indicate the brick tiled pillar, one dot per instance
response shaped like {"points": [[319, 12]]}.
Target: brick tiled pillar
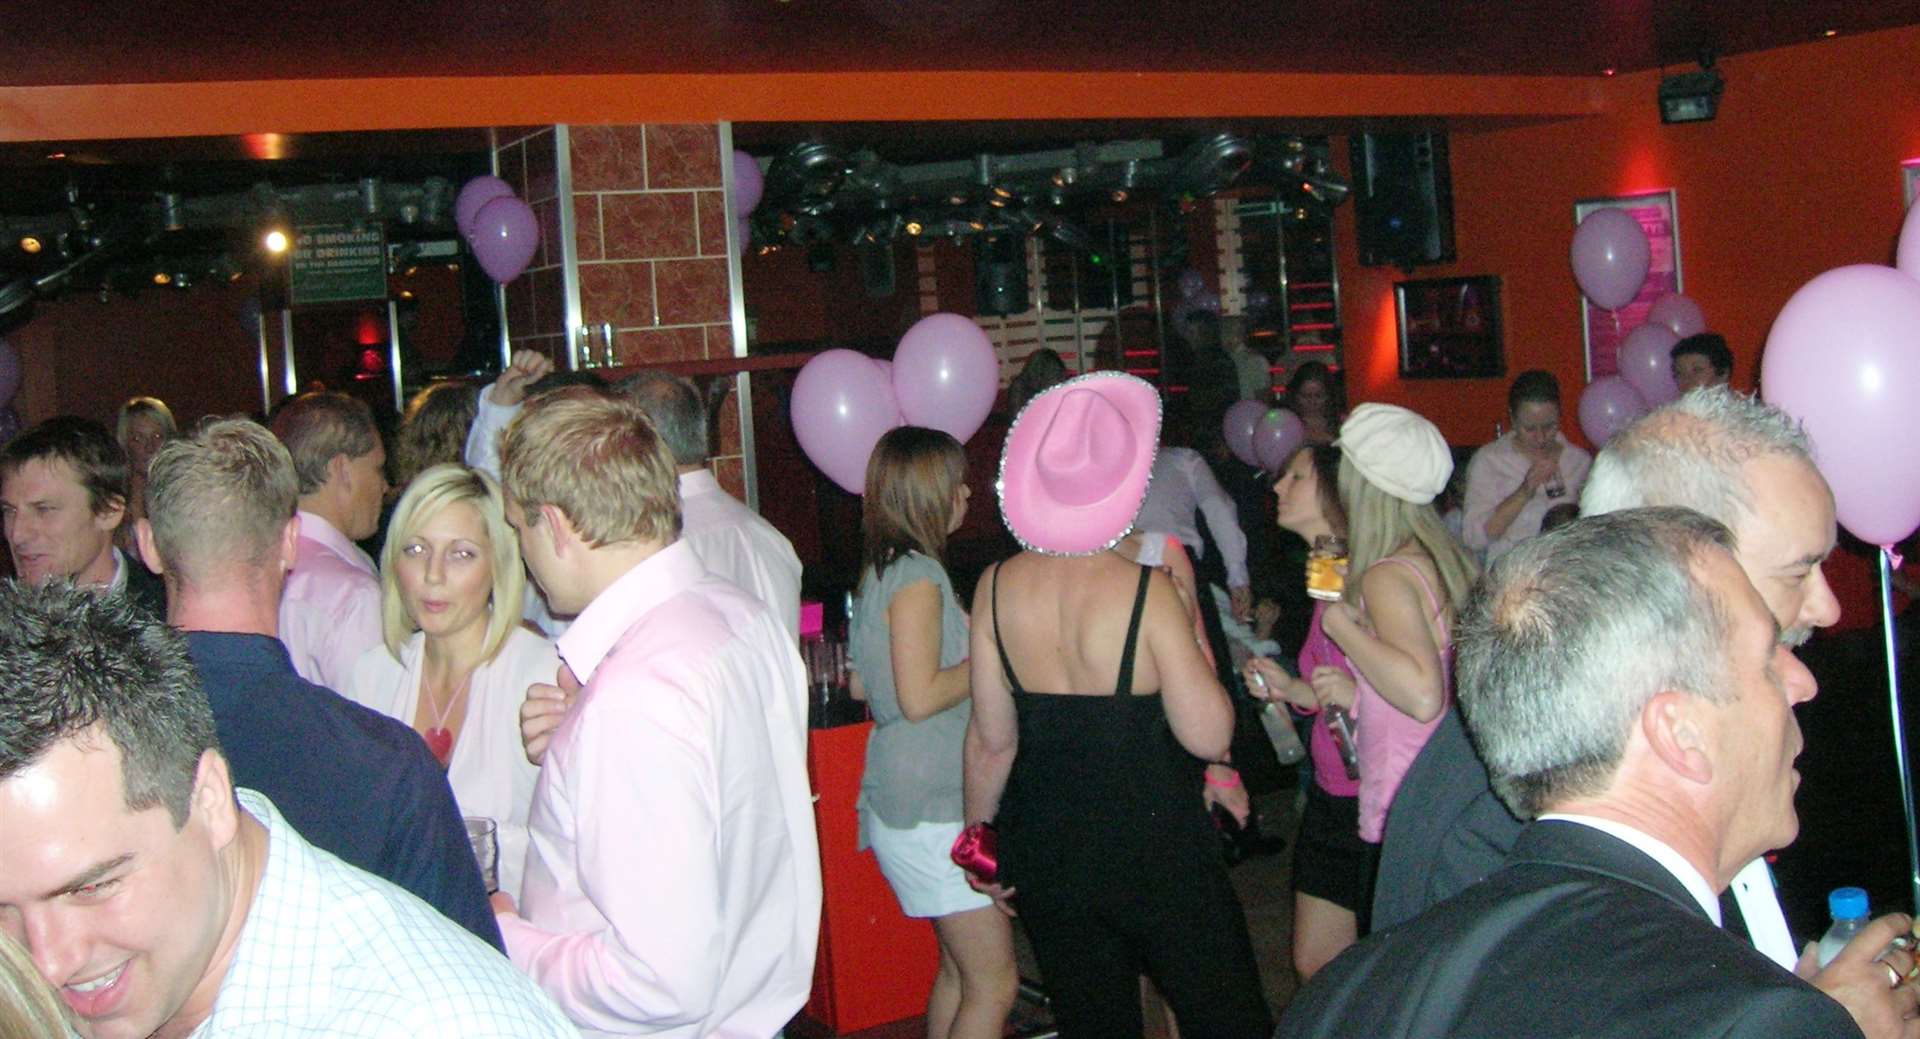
{"points": [[649, 246]]}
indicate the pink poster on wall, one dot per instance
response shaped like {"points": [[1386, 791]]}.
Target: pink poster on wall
{"points": [[1659, 216]]}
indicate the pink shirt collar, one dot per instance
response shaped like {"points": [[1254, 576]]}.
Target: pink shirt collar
{"points": [[314, 527], [607, 619]]}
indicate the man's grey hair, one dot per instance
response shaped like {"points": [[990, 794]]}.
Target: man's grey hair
{"points": [[318, 425], [220, 497], [1571, 634], [675, 407], [84, 666], [1692, 453]]}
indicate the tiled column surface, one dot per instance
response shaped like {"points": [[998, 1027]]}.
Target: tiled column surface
{"points": [[536, 300]]}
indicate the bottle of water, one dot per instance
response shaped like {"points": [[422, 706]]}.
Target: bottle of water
{"points": [[1849, 908]]}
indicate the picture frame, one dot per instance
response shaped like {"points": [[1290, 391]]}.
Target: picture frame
{"points": [[1451, 328], [1602, 330]]}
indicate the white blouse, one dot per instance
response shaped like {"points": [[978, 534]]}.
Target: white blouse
{"points": [[489, 771]]}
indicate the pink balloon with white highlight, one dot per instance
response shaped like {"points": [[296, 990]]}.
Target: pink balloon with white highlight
{"points": [[1646, 362], [842, 405], [946, 375], [1679, 313]]}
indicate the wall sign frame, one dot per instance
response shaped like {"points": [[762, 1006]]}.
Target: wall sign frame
{"points": [[1450, 328], [1602, 330]]}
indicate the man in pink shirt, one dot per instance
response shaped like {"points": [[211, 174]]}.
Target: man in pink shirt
{"points": [[672, 885], [330, 612]]}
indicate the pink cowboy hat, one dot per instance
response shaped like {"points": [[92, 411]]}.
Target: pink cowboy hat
{"points": [[1075, 468]]}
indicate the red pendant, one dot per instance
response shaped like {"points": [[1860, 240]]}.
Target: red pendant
{"points": [[440, 741]]}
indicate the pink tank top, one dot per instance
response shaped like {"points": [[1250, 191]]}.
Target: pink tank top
{"points": [[1388, 739]]}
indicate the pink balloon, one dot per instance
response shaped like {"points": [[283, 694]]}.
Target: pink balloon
{"points": [[946, 375], [1279, 432], [505, 236], [473, 195], [842, 405], [1610, 257], [886, 368], [1241, 421], [1908, 256], [743, 235], [1607, 406], [1646, 362], [1844, 358], [9, 372], [1679, 313], [747, 183]]}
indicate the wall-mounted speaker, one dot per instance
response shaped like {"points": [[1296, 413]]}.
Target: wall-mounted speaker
{"points": [[1000, 275], [1402, 199]]}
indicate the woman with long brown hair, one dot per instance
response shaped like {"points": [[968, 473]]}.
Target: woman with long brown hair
{"points": [[908, 647]]}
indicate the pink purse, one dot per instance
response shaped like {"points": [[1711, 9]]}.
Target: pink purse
{"points": [[977, 850]]}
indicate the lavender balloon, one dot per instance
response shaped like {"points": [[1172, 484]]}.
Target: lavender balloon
{"points": [[505, 236], [1844, 358], [946, 375], [1280, 431], [748, 184], [1610, 257], [1607, 406], [475, 194], [842, 406], [1241, 421], [1646, 362], [1678, 313]]}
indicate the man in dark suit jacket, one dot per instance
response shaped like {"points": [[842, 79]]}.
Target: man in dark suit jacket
{"points": [[1730, 457], [63, 494], [1633, 698]]}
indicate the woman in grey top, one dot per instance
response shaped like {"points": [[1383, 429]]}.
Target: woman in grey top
{"points": [[908, 642]]}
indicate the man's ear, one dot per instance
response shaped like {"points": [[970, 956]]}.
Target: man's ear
{"points": [[559, 529], [212, 799], [289, 543], [339, 471], [110, 515], [149, 552], [1676, 731]]}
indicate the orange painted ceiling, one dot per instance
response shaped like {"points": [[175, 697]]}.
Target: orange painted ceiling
{"points": [[113, 41]]}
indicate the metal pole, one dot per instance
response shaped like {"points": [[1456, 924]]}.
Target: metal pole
{"points": [[393, 358], [266, 373], [291, 376], [1899, 730]]}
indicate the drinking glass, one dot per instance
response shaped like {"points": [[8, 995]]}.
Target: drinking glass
{"points": [[484, 835]]}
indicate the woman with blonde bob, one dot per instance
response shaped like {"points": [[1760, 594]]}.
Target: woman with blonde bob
{"points": [[454, 666], [908, 645], [29, 1008], [1406, 577]]}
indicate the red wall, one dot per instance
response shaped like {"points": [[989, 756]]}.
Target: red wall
{"points": [[1799, 173]]}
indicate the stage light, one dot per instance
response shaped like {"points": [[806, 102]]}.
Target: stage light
{"points": [[275, 241], [29, 245]]}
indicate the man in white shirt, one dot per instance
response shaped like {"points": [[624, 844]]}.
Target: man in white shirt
{"points": [[330, 611], [673, 877], [731, 539], [160, 901], [1632, 695]]}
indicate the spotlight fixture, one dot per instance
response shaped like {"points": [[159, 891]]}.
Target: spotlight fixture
{"points": [[1691, 97], [162, 278], [29, 245], [275, 241]]}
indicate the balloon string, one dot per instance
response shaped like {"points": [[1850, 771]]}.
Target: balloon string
{"points": [[1899, 728]]}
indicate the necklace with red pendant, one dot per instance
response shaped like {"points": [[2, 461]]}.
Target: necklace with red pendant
{"points": [[440, 738]]}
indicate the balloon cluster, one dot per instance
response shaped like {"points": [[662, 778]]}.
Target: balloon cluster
{"points": [[1611, 256], [1261, 435], [499, 226], [1195, 298], [944, 375], [1844, 358]]}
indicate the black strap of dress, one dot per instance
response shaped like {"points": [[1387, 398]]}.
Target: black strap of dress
{"points": [[1125, 684]]}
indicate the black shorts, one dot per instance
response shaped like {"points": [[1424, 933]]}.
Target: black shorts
{"points": [[1330, 861]]}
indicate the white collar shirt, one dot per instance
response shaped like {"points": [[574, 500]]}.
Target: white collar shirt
{"points": [[734, 542], [673, 874], [1181, 485], [330, 950]]}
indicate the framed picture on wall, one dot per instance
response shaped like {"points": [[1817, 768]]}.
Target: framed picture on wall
{"points": [[1450, 328], [1602, 330]]}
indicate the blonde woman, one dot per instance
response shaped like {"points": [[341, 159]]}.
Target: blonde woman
{"points": [[454, 667], [909, 641], [145, 423], [1407, 575], [29, 1008]]}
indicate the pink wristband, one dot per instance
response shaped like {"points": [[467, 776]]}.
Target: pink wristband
{"points": [[1225, 786]]}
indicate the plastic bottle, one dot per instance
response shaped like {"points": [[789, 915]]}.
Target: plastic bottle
{"points": [[1849, 908]]}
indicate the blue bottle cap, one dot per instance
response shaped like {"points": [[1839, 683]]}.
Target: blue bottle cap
{"points": [[1847, 903]]}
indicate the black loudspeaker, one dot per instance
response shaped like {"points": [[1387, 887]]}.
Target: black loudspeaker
{"points": [[1000, 275], [1403, 199]]}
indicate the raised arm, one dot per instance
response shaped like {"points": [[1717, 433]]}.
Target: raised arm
{"points": [[923, 687], [1197, 708], [1402, 660]]}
